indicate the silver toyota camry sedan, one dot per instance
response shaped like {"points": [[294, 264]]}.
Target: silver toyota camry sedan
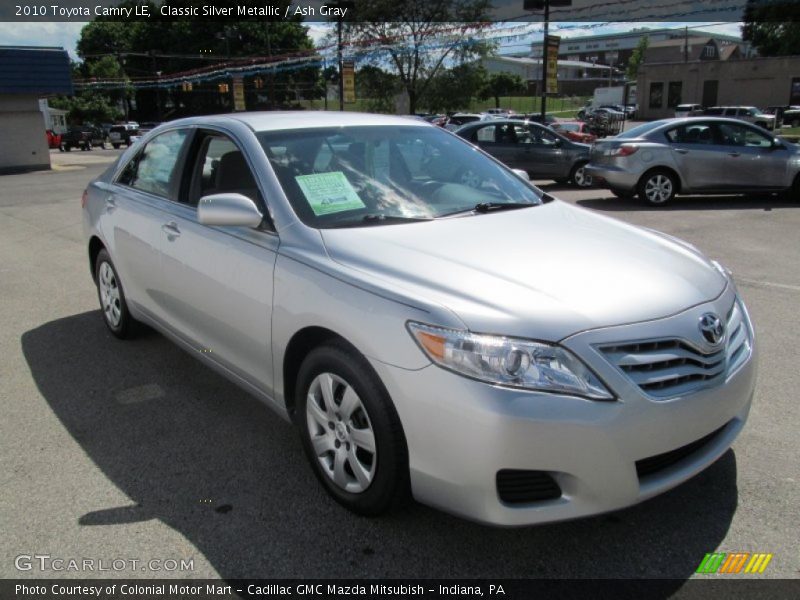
{"points": [[468, 341]]}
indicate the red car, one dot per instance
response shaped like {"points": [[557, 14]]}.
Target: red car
{"points": [[577, 131], [53, 139]]}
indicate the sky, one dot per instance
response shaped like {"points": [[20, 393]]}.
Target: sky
{"points": [[66, 35]]}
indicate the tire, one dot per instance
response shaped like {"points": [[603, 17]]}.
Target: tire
{"points": [[579, 177], [657, 187], [367, 475], [116, 146], [111, 295]]}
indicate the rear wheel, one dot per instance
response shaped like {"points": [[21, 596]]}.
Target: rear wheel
{"points": [[350, 431], [580, 177], [657, 188], [112, 297], [116, 146]]}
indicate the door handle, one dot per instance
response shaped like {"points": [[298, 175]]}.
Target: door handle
{"points": [[681, 150], [171, 229], [734, 154], [111, 204]]}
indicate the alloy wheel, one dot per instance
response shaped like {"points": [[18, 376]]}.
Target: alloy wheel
{"points": [[658, 189], [581, 177]]}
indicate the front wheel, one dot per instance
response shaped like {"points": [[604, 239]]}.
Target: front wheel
{"points": [[112, 297], [350, 430], [580, 177], [658, 188]]}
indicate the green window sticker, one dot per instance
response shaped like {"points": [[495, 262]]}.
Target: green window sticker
{"points": [[329, 193]]}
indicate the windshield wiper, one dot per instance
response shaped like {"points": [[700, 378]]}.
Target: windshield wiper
{"points": [[378, 219], [485, 207]]}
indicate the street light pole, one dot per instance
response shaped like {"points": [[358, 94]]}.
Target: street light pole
{"points": [[341, 65]]}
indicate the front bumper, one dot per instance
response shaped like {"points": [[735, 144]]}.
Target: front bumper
{"points": [[461, 432]]}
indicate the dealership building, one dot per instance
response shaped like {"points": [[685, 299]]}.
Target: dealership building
{"points": [[26, 75]]}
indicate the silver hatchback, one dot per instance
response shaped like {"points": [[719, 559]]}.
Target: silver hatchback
{"points": [[472, 342], [694, 156]]}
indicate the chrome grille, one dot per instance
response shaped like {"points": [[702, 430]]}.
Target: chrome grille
{"points": [[672, 367]]}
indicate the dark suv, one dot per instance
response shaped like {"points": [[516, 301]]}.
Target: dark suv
{"points": [[121, 134], [84, 137]]}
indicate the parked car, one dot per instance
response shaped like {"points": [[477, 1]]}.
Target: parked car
{"points": [[548, 120], [790, 116], [121, 134], [495, 352], [631, 110], [577, 131], [750, 114], [538, 150], [84, 137], [779, 111], [53, 139], [688, 110], [697, 155], [458, 119]]}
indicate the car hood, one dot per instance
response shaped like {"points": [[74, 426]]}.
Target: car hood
{"points": [[544, 272]]}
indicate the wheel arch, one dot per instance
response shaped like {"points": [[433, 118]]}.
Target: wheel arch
{"points": [[95, 246], [301, 343]]}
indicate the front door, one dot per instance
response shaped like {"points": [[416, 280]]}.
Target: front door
{"points": [[218, 280]]}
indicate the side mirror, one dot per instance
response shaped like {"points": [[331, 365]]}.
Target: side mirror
{"points": [[522, 174], [778, 144], [228, 209]]}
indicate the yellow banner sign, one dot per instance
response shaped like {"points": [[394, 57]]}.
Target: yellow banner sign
{"points": [[349, 79], [551, 56], [238, 94]]}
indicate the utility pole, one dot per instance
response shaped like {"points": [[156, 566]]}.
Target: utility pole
{"points": [[341, 64], [545, 56], [686, 44]]}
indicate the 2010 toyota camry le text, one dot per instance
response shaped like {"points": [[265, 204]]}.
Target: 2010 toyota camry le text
{"points": [[434, 325]]}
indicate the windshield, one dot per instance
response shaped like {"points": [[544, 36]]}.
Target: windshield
{"points": [[361, 176]]}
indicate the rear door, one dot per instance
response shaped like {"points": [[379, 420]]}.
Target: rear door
{"points": [[701, 160], [137, 204], [499, 140]]}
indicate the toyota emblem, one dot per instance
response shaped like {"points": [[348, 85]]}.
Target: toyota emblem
{"points": [[712, 328]]}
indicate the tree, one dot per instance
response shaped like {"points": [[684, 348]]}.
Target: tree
{"points": [[501, 84], [377, 88], [419, 37], [453, 89], [637, 58], [772, 28], [153, 49]]}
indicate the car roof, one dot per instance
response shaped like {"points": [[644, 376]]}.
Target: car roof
{"points": [[301, 119]]}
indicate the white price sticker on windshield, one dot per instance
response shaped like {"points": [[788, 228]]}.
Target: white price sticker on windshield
{"points": [[329, 193]]}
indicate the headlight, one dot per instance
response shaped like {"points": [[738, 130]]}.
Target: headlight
{"points": [[509, 362]]}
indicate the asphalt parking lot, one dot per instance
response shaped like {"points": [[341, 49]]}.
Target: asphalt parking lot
{"points": [[133, 450]]}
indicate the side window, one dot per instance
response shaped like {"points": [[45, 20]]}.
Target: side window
{"points": [[221, 167], [153, 169], [694, 133], [486, 134], [756, 139], [732, 135]]}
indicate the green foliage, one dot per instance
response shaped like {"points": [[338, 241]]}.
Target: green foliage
{"points": [[637, 58], [377, 87], [453, 89], [142, 49], [773, 28], [420, 37], [501, 84], [87, 107]]}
